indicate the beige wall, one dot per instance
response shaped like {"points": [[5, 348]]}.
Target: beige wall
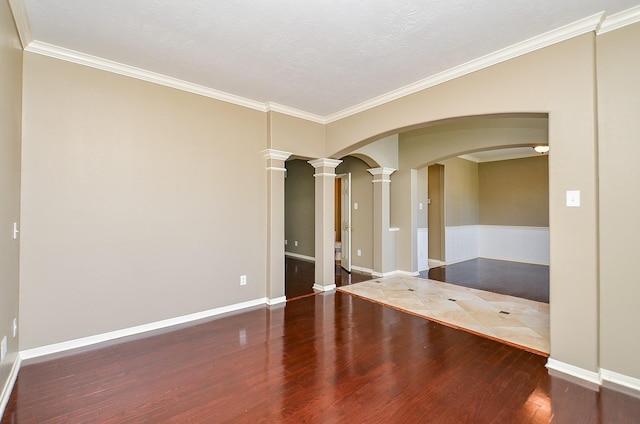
{"points": [[134, 206], [299, 208], [619, 150], [460, 192], [515, 192], [10, 133], [361, 218], [558, 80], [294, 135]]}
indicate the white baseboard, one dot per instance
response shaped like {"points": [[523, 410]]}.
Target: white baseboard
{"points": [[8, 386], [321, 288], [299, 256], [577, 375], [620, 382], [276, 301], [104, 337], [361, 269], [396, 272]]}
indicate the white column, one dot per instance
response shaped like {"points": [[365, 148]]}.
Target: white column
{"points": [[325, 177], [382, 256], [275, 225]]}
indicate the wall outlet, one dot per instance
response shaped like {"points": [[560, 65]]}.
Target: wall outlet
{"points": [[359, 252], [15, 327], [285, 242], [295, 243], [243, 280], [3, 348]]}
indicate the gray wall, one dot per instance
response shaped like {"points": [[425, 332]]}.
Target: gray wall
{"points": [[10, 134], [361, 218], [515, 192], [299, 208]]}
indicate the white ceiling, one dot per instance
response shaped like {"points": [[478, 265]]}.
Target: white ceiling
{"points": [[316, 56]]}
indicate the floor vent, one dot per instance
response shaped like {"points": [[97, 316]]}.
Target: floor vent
{"points": [[504, 312], [453, 300], [411, 289]]}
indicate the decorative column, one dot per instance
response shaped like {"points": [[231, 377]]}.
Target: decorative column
{"points": [[382, 257], [275, 225], [325, 232]]}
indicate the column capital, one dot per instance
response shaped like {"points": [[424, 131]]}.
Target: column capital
{"points": [[324, 163], [276, 154], [382, 173]]}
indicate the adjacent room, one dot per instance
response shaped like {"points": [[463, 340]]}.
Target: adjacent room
{"points": [[168, 167]]}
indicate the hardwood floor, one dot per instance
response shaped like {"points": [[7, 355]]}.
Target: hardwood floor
{"points": [[299, 277], [328, 358], [528, 281]]}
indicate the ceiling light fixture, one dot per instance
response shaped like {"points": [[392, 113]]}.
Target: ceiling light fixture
{"points": [[541, 149]]}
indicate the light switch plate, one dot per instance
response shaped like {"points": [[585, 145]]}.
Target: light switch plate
{"points": [[573, 198]]}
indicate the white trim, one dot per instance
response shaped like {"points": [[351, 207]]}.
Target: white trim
{"points": [[324, 162], [435, 263], [99, 338], [514, 243], [276, 154], [299, 256], [275, 168], [380, 181], [8, 385], [566, 32], [324, 174], [322, 288], [396, 272], [361, 269], [68, 55], [277, 300], [619, 20], [621, 381], [591, 377], [296, 113], [21, 18], [394, 229], [381, 171]]}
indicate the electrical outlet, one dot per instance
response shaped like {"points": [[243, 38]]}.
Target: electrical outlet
{"points": [[15, 327], [285, 242], [295, 243], [359, 252], [3, 348], [243, 280]]}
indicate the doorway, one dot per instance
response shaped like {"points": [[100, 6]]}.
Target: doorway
{"points": [[435, 217]]}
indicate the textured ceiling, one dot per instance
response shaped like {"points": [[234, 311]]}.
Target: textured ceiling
{"points": [[317, 56]]}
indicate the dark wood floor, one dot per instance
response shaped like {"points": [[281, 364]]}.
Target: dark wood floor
{"points": [[328, 358], [528, 281], [299, 277]]}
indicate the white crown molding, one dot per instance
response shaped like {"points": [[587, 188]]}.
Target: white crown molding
{"points": [[296, 113], [104, 337], [21, 19], [619, 20], [566, 32], [61, 53]]}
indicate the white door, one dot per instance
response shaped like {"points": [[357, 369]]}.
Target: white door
{"points": [[345, 221]]}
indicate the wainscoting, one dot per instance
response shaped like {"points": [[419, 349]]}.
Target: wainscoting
{"points": [[507, 243]]}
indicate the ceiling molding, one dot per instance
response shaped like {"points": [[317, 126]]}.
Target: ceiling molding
{"points": [[141, 74], [275, 107], [619, 20], [21, 19], [552, 37]]}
